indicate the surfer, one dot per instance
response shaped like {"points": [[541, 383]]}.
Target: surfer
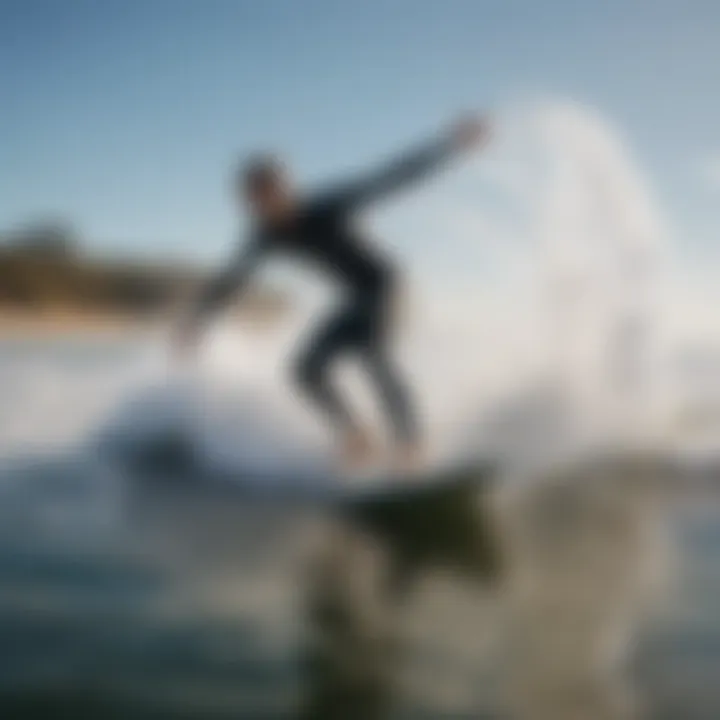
{"points": [[320, 228]]}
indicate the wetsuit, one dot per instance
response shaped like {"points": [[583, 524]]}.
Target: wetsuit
{"points": [[322, 231]]}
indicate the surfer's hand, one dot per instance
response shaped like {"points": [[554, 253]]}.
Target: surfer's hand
{"points": [[470, 132]]}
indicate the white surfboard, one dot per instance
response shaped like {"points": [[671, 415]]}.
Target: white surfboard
{"points": [[163, 439], [175, 462]]}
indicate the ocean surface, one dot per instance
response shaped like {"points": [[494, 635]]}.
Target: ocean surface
{"points": [[122, 600]]}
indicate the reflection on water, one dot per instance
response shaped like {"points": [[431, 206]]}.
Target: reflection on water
{"points": [[188, 605], [97, 617]]}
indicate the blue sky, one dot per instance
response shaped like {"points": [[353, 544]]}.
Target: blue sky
{"points": [[125, 116]]}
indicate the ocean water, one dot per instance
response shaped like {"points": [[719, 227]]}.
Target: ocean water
{"points": [[123, 600]]}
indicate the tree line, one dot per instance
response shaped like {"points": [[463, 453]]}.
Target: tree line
{"points": [[44, 268]]}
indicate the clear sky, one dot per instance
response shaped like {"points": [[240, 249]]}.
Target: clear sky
{"points": [[125, 116]]}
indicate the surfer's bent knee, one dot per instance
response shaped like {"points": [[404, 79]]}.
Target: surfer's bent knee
{"points": [[308, 372]]}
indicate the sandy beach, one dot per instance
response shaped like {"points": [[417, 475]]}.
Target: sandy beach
{"points": [[51, 323]]}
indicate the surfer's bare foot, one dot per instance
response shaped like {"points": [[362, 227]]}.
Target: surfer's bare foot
{"points": [[357, 450], [408, 458]]}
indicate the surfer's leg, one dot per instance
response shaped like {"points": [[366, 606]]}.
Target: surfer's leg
{"points": [[395, 397], [312, 371], [393, 391], [340, 334]]}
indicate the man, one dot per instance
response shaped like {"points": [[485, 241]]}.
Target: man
{"points": [[320, 229]]}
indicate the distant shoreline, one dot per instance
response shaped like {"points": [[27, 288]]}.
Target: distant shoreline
{"points": [[18, 324], [53, 323]]}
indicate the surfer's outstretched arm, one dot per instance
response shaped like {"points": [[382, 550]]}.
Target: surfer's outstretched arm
{"points": [[412, 166], [217, 292], [229, 281]]}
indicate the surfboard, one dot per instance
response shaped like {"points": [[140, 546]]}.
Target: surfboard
{"points": [[437, 517], [175, 462], [386, 485]]}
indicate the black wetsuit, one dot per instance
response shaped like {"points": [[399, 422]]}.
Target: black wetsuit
{"points": [[322, 231]]}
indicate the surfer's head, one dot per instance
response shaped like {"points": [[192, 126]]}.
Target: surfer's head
{"points": [[264, 183]]}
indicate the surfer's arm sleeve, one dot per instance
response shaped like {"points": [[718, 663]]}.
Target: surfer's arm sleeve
{"points": [[230, 281], [398, 174]]}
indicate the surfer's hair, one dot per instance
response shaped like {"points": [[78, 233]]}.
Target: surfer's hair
{"points": [[259, 173]]}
